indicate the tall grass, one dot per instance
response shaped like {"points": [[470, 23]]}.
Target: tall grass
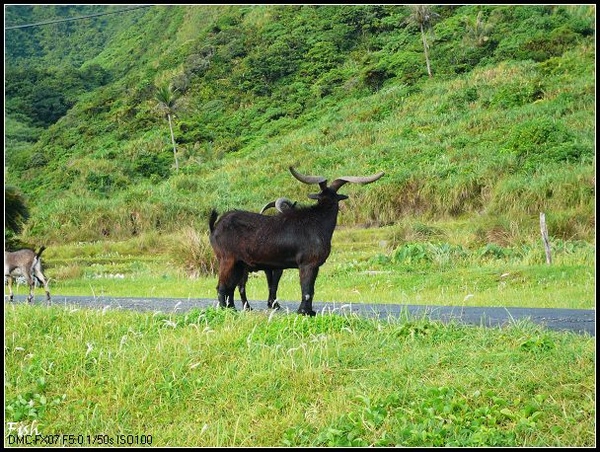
{"points": [[224, 379], [472, 145]]}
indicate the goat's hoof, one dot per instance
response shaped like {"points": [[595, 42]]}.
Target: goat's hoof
{"points": [[274, 306], [247, 307], [310, 313]]}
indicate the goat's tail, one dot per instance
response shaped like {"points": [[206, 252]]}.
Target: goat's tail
{"points": [[39, 253], [212, 220]]}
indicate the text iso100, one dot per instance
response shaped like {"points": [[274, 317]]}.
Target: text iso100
{"points": [[133, 440]]}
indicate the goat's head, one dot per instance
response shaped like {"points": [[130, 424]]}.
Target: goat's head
{"points": [[330, 192]]}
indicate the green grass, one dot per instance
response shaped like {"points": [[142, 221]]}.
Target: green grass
{"points": [[234, 379], [422, 263]]}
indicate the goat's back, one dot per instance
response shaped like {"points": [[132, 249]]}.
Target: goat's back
{"points": [[18, 259], [286, 240], [236, 223]]}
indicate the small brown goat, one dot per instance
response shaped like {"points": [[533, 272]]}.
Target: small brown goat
{"points": [[26, 263]]}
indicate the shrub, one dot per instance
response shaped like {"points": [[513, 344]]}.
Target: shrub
{"points": [[540, 141], [192, 252]]}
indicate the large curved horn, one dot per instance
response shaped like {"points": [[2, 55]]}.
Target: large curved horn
{"points": [[309, 179], [281, 204], [336, 184], [267, 206]]}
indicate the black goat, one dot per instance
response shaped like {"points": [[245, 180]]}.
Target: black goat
{"points": [[273, 276], [297, 238], [26, 263]]}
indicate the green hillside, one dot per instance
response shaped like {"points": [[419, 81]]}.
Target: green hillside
{"points": [[482, 118], [503, 129]]}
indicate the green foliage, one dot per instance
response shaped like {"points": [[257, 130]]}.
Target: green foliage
{"points": [[45, 95], [344, 88], [151, 165], [31, 406], [453, 421], [517, 94], [16, 214], [539, 142]]}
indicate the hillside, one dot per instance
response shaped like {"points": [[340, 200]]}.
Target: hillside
{"points": [[503, 129]]}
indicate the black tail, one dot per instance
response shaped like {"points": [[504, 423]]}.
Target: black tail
{"points": [[39, 253], [212, 220]]}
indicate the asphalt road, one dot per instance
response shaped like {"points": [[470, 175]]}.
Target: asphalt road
{"points": [[581, 321]]}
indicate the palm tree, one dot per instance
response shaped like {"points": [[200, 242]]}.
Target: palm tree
{"points": [[477, 31], [167, 99], [423, 16]]}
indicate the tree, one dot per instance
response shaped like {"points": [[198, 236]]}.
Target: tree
{"points": [[477, 31], [16, 213], [423, 16], [167, 100]]}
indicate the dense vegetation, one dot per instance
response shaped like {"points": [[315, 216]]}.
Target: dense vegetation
{"points": [[502, 130]]}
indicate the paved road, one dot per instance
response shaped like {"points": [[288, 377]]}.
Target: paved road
{"points": [[581, 321]]}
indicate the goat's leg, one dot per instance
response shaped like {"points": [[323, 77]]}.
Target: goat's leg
{"points": [[9, 283], [242, 289], [308, 276], [31, 284], [273, 277], [225, 297], [240, 273], [39, 275], [225, 289], [230, 274]]}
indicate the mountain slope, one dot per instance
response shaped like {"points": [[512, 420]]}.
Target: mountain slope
{"points": [[504, 128]]}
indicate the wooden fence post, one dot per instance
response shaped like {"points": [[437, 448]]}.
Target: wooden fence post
{"points": [[544, 230]]}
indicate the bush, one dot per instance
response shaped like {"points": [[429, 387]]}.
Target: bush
{"points": [[192, 252], [541, 141], [517, 93]]}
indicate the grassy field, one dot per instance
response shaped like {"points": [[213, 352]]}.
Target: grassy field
{"points": [[384, 265], [219, 378], [198, 379], [235, 379]]}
